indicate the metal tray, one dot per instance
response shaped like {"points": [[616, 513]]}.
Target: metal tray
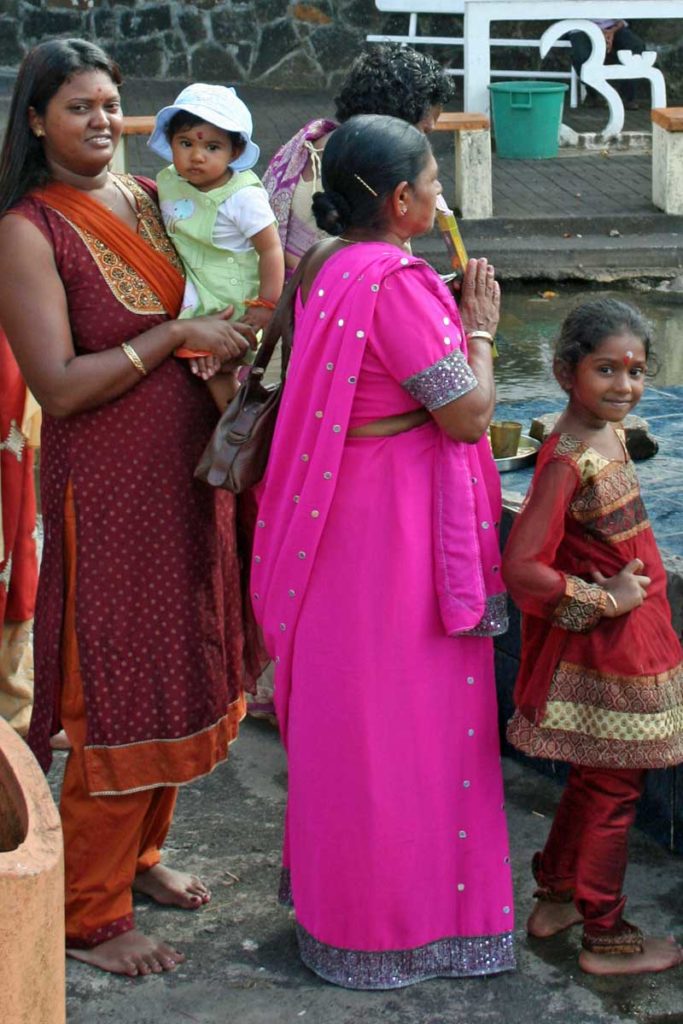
{"points": [[526, 455]]}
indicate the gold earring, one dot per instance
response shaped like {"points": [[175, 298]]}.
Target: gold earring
{"points": [[39, 133]]}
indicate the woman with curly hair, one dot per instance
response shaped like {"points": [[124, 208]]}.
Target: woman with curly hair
{"points": [[387, 79]]}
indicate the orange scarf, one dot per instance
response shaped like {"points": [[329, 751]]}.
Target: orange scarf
{"points": [[89, 215]]}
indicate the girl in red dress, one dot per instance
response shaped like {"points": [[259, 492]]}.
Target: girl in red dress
{"points": [[600, 682]]}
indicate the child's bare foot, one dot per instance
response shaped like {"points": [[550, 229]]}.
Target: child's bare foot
{"points": [[657, 955], [172, 888], [132, 953], [548, 919]]}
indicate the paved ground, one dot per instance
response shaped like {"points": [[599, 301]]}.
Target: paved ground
{"points": [[243, 966]]}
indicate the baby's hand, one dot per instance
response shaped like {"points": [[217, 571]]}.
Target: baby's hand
{"points": [[257, 317], [627, 590], [205, 367]]}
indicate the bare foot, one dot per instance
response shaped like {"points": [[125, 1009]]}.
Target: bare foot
{"points": [[132, 953], [172, 888], [60, 741], [657, 955], [549, 919]]}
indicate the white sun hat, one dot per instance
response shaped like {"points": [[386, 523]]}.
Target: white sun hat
{"points": [[218, 105]]}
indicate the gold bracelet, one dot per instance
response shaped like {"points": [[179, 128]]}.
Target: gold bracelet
{"points": [[134, 358], [484, 335], [611, 597]]}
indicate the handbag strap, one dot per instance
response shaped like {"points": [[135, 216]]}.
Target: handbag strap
{"points": [[281, 326]]}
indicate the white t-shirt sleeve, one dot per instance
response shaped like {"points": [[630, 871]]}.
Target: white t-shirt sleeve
{"points": [[240, 217]]}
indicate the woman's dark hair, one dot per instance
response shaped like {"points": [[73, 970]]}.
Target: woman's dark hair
{"points": [[43, 71], [182, 120], [587, 326], [363, 161], [394, 80]]}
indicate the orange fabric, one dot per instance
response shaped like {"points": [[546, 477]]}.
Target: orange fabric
{"points": [[127, 768], [89, 215], [107, 840]]}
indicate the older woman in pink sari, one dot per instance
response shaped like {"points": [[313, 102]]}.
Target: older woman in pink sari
{"points": [[376, 580]]}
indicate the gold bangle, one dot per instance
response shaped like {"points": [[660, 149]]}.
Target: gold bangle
{"points": [[611, 597], [134, 358], [484, 335]]}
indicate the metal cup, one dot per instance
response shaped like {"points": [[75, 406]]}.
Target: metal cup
{"points": [[505, 437]]}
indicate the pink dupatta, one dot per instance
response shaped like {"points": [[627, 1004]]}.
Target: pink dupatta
{"points": [[298, 490]]}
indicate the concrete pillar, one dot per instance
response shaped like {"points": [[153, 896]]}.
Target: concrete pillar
{"points": [[667, 159], [473, 176], [472, 145], [32, 967]]}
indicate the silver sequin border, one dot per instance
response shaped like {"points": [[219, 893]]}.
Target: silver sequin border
{"points": [[442, 382], [458, 957], [494, 621]]}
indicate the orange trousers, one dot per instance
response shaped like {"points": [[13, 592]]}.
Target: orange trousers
{"points": [[107, 840]]}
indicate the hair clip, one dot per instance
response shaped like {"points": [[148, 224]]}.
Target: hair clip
{"points": [[365, 184]]}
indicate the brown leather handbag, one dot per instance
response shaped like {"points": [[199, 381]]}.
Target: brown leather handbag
{"points": [[236, 456]]}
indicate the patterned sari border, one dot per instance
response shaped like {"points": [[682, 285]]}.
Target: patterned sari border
{"points": [[457, 957], [593, 751]]}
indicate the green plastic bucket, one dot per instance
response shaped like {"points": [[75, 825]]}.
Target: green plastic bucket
{"points": [[527, 118]]}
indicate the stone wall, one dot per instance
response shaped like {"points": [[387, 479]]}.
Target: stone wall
{"points": [[276, 43]]}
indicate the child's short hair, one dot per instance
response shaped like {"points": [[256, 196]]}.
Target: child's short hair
{"points": [[590, 323], [182, 120]]}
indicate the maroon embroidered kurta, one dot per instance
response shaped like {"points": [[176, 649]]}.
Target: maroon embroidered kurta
{"points": [[158, 607]]}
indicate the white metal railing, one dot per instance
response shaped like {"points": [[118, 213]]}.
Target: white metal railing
{"points": [[414, 39]]}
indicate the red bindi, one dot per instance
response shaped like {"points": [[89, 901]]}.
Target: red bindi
{"points": [[200, 135], [628, 358]]}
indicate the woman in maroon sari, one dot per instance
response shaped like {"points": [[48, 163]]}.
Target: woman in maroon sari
{"points": [[138, 635]]}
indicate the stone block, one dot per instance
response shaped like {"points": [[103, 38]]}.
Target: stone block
{"points": [[38, 25], [146, 21], [10, 45], [278, 41], [104, 23], [640, 442], [10, 7], [31, 890], [330, 41], [211, 62], [270, 10], [139, 58], [179, 66], [313, 13], [356, 14], [192, 26], [297, 67], [233, 28]]}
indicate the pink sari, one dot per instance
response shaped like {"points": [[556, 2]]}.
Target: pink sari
{"points": [[376, 581]]}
